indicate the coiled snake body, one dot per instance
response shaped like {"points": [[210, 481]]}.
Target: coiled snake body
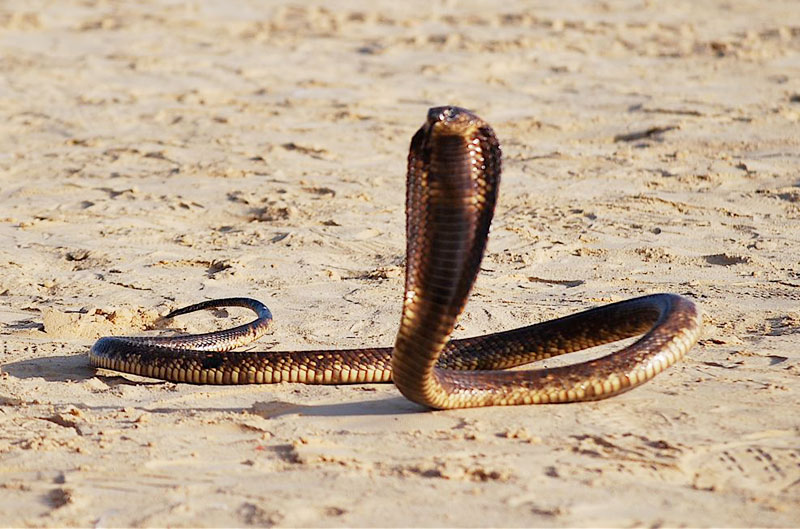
{"points": [[452, 181]]}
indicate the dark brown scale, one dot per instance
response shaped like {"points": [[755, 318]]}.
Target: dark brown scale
{"points": [[453, 175]]}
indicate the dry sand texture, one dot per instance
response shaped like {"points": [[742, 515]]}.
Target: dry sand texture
{"points": [[158, 153]]}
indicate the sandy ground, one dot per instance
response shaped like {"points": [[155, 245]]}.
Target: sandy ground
{"points": [[158, 153]]}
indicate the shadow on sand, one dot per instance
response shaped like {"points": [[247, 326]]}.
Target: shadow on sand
{"points": [[76, 368]]}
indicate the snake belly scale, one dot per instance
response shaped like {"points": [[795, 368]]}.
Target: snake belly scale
{"points": [[454, 167]]}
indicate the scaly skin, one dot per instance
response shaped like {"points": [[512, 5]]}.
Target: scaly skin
{"points": [[453, 175]]}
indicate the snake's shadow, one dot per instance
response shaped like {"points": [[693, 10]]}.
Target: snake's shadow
{"points": [[60, 368], [76, 368], [386, 406]]}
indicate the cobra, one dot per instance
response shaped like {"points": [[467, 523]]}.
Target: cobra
{"points": [[454, 167]]}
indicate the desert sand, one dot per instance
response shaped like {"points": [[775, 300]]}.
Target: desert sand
{"points": [[155, 154]]}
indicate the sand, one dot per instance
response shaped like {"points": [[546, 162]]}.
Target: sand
{"points": [[159, 153]]}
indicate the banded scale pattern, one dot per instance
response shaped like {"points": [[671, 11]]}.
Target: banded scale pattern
{"points": [[454, 167]]}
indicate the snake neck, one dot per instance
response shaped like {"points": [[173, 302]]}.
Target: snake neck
{"points": [[453, 173]]}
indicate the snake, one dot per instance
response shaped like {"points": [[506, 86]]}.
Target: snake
{"points": [[454, 167]]}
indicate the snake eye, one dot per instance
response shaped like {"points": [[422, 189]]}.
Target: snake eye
{"points": [[436, 114], [446, 113]]}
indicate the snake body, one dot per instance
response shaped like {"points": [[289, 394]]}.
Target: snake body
{"points": [[454, 167]]}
